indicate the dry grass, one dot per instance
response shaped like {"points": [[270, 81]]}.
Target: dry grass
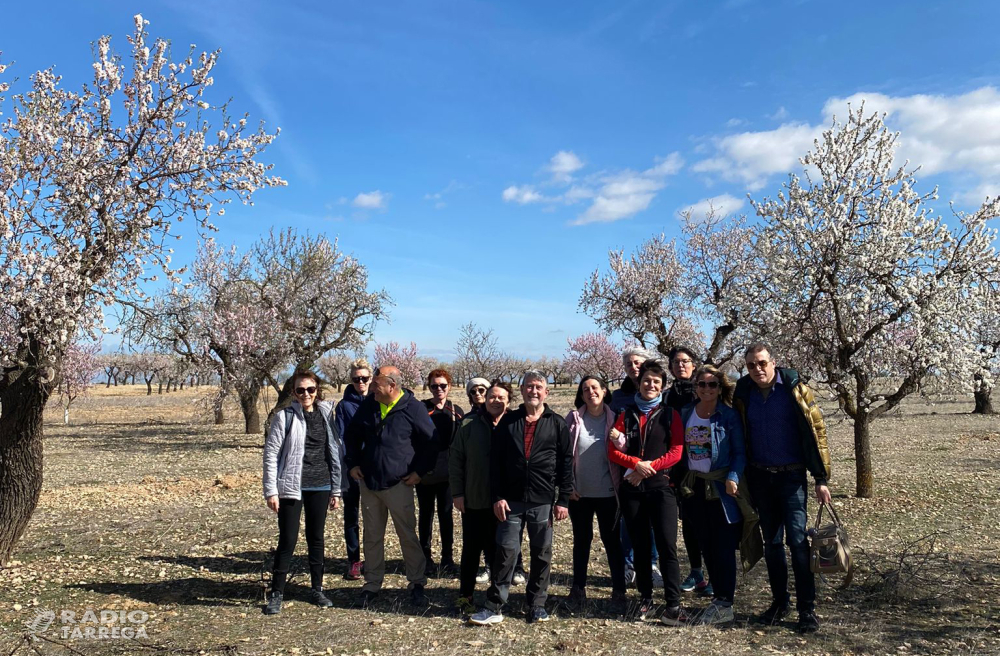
{"points": [[148, 506]]}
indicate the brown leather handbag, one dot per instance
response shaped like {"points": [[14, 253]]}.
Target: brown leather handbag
{"points": [[830, 551]]}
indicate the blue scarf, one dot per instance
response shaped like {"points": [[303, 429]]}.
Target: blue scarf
{"points": [[644, 405]]}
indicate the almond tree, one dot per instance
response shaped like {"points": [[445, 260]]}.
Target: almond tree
{"points": [[81, 364], [477, 354], [593, 354], [864, 282], [91, 183], [986, 336], [404, 358]]}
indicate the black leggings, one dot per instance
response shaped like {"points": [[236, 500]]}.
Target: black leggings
{"points": [[655, 507], [720, 539], [479, 536], [581, 515], [289, 511], [690, 533], [427, 495]]}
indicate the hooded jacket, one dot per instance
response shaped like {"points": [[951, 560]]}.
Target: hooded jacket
{"points": [[389, 449], [549, 467], [347, 407], [469, 461], [812, 430], [573, 421], [622, 397]]}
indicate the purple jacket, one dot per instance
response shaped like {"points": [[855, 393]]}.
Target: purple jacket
{"points": [[573, 421]]}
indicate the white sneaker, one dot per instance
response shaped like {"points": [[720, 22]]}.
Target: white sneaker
{"points": [[483, 576], [519, 578], [716, 614], [486, 617], [629, 575], [657, 577]]}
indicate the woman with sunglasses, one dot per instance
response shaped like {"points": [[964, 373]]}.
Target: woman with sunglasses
{"points": [[433, 487], [714, 457], [301, 471], [361, 378]]}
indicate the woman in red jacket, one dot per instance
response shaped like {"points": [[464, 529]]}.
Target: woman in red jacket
{"points": [[648, 439]]}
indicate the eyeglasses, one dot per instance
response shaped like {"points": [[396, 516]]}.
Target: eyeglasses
{"points": [[438, 386], [478, 390], [684, 363], [305, 390], [360, 379], [710, 384], [760, 364]]}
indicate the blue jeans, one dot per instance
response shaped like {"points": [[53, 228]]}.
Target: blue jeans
{"points": [[629, 553], [781, 503]]}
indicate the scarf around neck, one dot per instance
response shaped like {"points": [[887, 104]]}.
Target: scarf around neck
{"points": [[644, 405]]}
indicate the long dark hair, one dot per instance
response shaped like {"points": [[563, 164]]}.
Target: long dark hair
{"points": [[578, 402]]}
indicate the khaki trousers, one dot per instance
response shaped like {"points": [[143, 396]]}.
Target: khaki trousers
{"points": [[376, 506]]}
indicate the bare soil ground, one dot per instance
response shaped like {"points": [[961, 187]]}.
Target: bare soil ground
{"points": [[147, 506]]}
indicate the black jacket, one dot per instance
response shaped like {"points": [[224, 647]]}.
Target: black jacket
{"points": [[446, 422], [389, 449], [550, 465], [680, 394]]}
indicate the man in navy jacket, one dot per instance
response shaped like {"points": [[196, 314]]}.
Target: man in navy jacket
{"points": [[389, 440]]}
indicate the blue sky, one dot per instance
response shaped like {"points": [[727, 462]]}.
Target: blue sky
{"points": [[482, 157]]}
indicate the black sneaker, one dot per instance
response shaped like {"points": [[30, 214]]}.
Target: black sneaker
{"points": [[417, 596], [774, 614], [646, 610], [430, 568], [317, 597], [538, 614], [577, 598], [273, 606], [368, 598], [675, 616], [447, 568], [808, 623]]}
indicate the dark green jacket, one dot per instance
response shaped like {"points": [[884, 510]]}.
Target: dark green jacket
{"points": [[469, 461]]}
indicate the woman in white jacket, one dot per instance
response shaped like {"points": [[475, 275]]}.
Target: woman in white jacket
{"points": [[302, 470]]}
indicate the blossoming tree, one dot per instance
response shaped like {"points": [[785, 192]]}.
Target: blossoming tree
{"points": [[91, 183], [80, 365], [864, 282], [404, 358], [593, 354]]}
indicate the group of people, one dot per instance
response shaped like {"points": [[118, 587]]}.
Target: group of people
{"points": [[682, 443]]}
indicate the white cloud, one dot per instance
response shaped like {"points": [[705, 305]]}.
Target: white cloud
{"points": [[522, 195], [669, 165], [940, 134], [621, 197], [372, 200], [780, 115], [724, 204], [735, 122], [438, 196], [563, 164]]}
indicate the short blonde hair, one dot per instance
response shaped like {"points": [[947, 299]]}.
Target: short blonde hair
{"points": [[359, 364]]}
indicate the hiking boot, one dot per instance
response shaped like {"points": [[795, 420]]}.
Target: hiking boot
{"points": [[694, 577], [705, 589], [417, 596], [619, 598], [577, 597], [483, 576], [774, 614], [538, 614], [368, 598], [317, 597], [808, 623], [430, 569], [464, 606], [273, 606], [657, 577], [519, 577], [675, 616], [486, 617], [646, 609], [716, 613], [353, 572]]}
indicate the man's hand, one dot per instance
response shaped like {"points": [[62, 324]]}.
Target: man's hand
{"points": [[574, 496], [272, 503], [334, 503], [732, 489], [411, 479], [560, 513], [500, 509], [645, 468], [634, 478], [356, 473], [823, 493], [459, 503]]}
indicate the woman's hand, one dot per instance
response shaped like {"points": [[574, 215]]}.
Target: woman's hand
{"points": [[732, 489], [334, 503], [645, 467], [272, 503], [634, 477]]}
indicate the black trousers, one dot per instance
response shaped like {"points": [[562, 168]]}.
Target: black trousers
{"points": [[352, 523], [479, 536], [289, 512], [719, 539], [691, 543], [427, 496], [656, 508], [537, 518], [581, 515]]}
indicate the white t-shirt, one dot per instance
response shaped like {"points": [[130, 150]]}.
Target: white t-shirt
{"points": [[698, 443]]}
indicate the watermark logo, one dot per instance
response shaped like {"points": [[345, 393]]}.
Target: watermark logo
{"points": [[104, 624]]}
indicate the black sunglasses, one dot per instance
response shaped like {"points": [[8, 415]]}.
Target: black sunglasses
{"points": [[303, 390], [361, 379], [438, 386], [711, 384]]}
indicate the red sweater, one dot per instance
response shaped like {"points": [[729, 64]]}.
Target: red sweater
{"points": [[667, 460]]}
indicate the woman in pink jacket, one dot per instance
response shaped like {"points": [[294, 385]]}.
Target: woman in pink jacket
{"points": [[594, 488]]}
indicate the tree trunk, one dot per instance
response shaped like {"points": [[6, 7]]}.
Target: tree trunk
{"points": [[20, 456], [983, 396], [248, 403], [865, 475], [66, 416], [159, 387], [149, 387]]}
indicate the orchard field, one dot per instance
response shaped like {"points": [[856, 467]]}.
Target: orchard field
{"points": [[147, 506]]}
